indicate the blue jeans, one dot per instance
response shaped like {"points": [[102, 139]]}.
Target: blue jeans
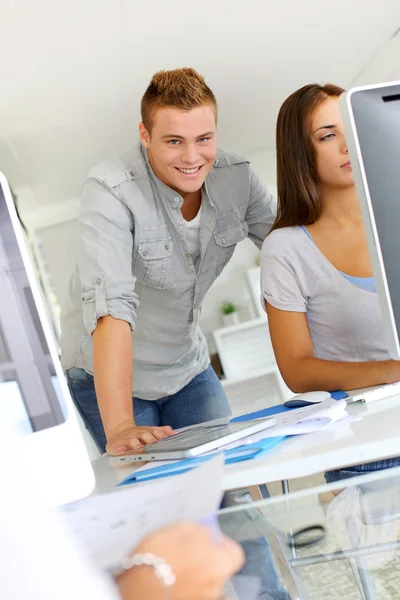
{"points": [[379, 465], [203, 399]]}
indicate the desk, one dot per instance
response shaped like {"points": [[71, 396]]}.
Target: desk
{"points": [[373, 435], [357, 555]]}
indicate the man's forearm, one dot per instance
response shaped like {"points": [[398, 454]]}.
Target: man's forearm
{"points": [[112, 367]]}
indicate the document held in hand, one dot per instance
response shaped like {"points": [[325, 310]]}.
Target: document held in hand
{"points": [[110, 525]]}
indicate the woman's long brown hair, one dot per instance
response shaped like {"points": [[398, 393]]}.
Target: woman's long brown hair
{"points": [[298, 198]]}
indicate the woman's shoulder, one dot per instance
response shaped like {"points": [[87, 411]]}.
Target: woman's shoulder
{"points": [[291, 247], [283, 241], [290, 265]]}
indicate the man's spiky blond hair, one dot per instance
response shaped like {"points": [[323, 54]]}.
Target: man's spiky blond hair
{"points": [[183, 89]]}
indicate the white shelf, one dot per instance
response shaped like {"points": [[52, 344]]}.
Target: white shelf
{"points": [[251, 374], [245, 348]]}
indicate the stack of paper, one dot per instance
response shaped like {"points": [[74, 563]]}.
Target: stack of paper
{"points": [[308, 419]]}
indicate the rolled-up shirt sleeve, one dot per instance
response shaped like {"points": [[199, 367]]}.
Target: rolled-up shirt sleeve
{"points": [[106, 230]]}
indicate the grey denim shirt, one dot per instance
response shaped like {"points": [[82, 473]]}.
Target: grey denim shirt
{"points": [[134, 264]]}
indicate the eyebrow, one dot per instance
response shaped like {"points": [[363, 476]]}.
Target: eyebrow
{"points": [[180, 137], [325, 127]]}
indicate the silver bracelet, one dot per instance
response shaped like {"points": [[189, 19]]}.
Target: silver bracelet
{"points": [[161, 568]]}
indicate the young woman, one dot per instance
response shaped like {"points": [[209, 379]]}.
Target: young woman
{"points": [[317, 282]]}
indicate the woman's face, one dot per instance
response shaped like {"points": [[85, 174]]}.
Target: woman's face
{"points": [[332, 160]]}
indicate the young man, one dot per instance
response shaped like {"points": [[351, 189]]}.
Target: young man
{"points": [[157, 226]]}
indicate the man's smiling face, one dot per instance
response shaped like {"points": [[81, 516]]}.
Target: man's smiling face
{"points": [[181, 146]]}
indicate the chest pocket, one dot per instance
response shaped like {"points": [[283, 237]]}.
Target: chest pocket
{"points": [[153, 264], [226, 240]]}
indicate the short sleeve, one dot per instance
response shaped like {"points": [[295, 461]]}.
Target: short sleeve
{"points": [[280, 286]]}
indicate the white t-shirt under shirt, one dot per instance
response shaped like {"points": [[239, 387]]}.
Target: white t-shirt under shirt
{"points": [[193, 235], [344, 320]]}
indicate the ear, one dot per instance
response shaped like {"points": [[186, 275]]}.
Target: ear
{"points": [[144, 135]]}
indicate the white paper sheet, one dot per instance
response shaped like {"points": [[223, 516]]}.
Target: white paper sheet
{"points": [[111, 525], [309, 418]]}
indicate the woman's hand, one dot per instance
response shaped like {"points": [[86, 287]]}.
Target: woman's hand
{"points": [[201, 564]]}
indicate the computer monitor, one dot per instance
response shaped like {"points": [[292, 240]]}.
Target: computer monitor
{"points": [[371, 117], [34, 396]]}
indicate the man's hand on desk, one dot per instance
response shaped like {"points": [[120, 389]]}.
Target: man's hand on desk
{"points": [[128, 436]]}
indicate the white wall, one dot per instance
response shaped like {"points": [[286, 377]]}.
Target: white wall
{"points": [[384, 66], [59, 248]]}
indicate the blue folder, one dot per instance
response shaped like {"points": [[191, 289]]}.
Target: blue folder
{"points": [[234, 455], [239, 454]]}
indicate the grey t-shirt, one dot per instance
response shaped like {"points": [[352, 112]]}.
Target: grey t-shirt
{"points": [[345, 321]]}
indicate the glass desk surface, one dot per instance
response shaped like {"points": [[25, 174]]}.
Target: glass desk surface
{"points": [[336, 541]]}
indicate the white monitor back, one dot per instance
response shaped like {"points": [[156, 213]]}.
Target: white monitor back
{"points": [[34, 396], [371, 117]]}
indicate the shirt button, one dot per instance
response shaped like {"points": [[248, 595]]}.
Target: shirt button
{"points": [[223, 241], [188, 255], [181, 223], [145, 253], [98, 280], [176, 200], [167, 247], [131, 173], [216, 163]]}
